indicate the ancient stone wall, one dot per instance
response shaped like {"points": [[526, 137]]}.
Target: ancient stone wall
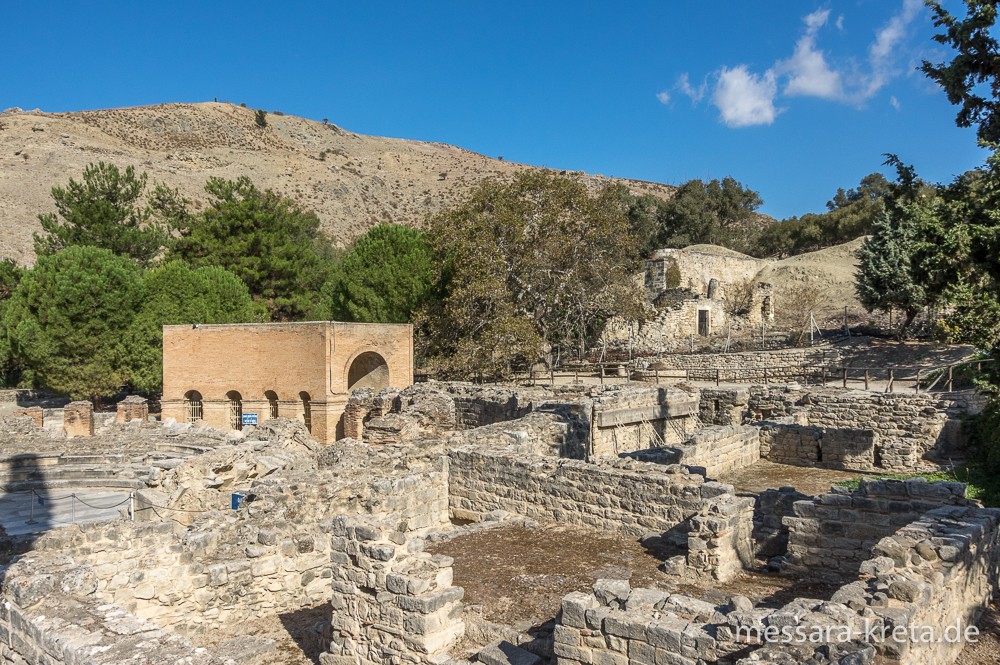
{"points": [[748, 365], [908, 427], [829, 448], [36, 413], [832, 534], [770, 534], [78, 419], [723, 406], [720, 542], [937, 571], [627, 419], [132, 408], [625, 497], [720, 449]]}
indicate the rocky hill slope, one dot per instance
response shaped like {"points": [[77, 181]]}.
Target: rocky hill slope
{"points": [[351, 181]]}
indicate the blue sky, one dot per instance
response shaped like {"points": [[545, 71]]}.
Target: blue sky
{"points": [[792, 98]]}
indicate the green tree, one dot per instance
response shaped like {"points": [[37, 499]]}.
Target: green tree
{"points": [[265, 239], [972, 78], [887, 277], [717, 212], [260, 118], [386, 275], [66, 319], [850, 214], [531, 269], [177, 294], [10, 276], [105, 210], [892, 266]]}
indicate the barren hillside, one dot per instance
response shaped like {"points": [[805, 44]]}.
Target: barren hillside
{"points": [[351, 181]]}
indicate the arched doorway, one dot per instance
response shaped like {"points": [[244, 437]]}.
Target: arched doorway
{"points": [[272, 404], [306, 411], [194, 409], [369, 370], [235, 410]]}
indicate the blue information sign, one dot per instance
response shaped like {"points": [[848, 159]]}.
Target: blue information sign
{"points": [[249, 418]]}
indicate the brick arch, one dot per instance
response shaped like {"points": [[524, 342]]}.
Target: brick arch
{"points": [[367, 369]]}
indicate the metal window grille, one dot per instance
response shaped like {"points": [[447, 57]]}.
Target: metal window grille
{"points": [[194, 411], [236, 414]]}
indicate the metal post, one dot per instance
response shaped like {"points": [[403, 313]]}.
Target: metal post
{"points": [[131, 506], [823, 373], [866, 378], [656, 374], [552, 376], [916, 386], [72, 503], [950, 376], [845, 376], [602, 374], [892, 378], [717, 372], [31, 507], [765, 375]]}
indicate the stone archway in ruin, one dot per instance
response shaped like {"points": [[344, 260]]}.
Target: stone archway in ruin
{"points": [[368, 370]]}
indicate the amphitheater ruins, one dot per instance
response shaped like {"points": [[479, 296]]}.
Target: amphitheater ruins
{"points": [[573, 524]]}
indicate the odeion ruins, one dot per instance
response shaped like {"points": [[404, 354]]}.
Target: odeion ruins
{"points": [[676, 509]]}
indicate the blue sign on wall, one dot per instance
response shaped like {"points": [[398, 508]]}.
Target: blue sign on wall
{"points": [[249, 418]]}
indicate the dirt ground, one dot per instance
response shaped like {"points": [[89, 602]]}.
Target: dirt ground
{"points": [[763, 475], [986, 649], [518, 576], [275, 640]]}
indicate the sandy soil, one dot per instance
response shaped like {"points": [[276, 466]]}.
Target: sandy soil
{"points": [[768, 475], [518, 576]]}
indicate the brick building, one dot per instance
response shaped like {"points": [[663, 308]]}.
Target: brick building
{"points": [[220, 373]]}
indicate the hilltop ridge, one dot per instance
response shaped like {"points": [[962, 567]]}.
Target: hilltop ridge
{"points": [[351, 181]]}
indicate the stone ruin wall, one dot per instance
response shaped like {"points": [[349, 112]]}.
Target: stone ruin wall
{"points": [[830, 535], [747, 365], [697, 269], [234, 567], [933, 572], [626, 419], [625, 497]]}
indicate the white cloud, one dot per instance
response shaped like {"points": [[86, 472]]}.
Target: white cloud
{"points": [[696, 94], [807, 69], [882, 50], [744, 98], [664, 97]]}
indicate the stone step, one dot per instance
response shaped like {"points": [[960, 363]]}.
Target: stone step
{"points": [[505, 653]]}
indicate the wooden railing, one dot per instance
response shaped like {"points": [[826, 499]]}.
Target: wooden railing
{"points": [[845, 376]]}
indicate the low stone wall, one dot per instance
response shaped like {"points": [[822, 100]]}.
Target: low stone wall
{"points": [[908, 428], [723, 406], [719, 450], [829, 448], [832, 534], [933, 573], [626, 496], [770, 534], [720, 542], [747, 365], [628, 418]]}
